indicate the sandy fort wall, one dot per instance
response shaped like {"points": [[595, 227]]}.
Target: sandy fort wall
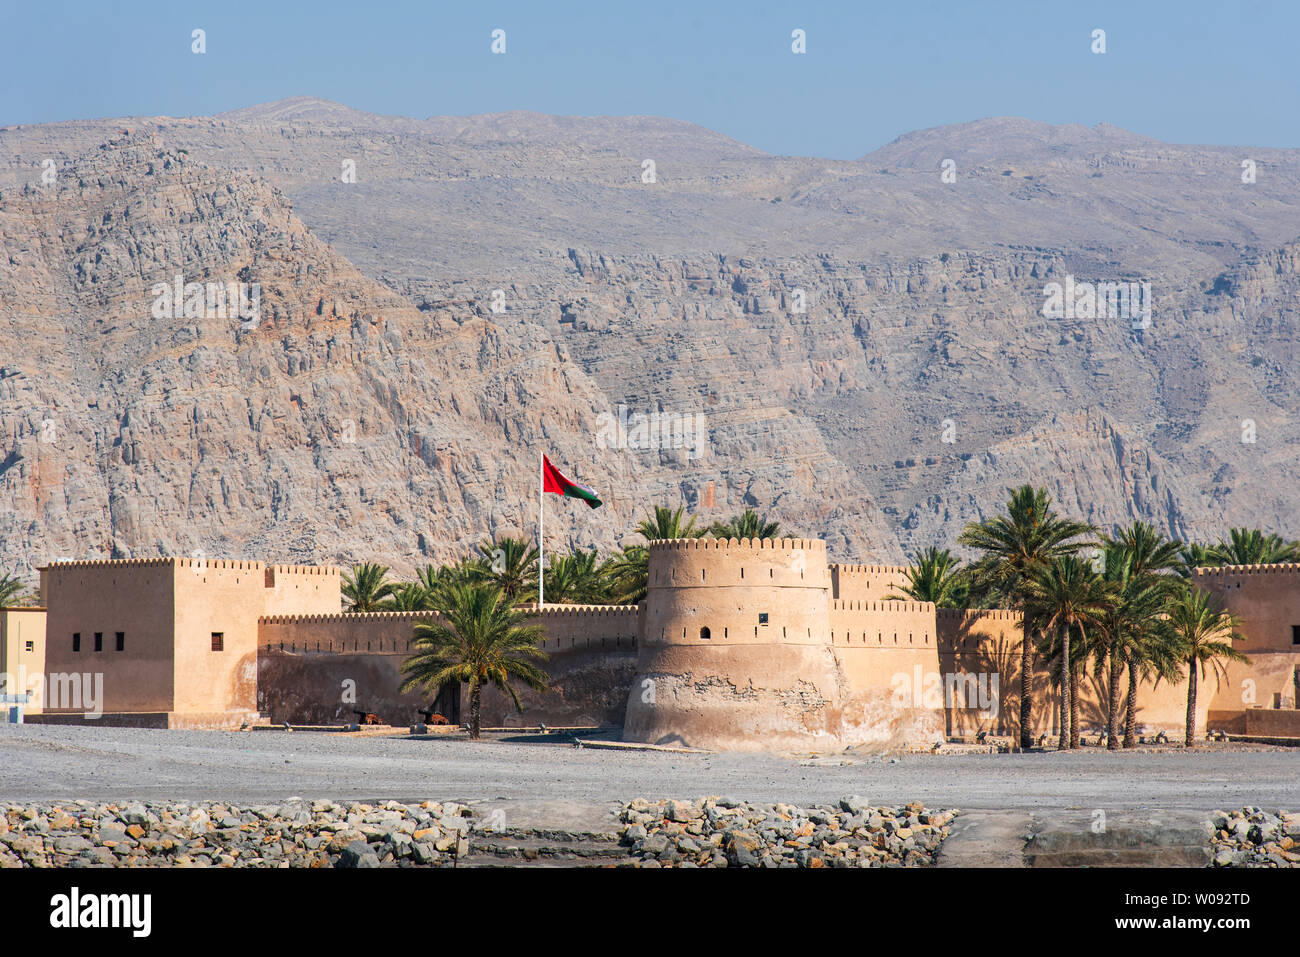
{"points": [[216, 598], [980, 657], [1267, 600], [867, 582], [301, 590], [22, 656], [885, 649], [316, 669], [319, 668], [134, 597], [175, 635], [739, 654], [591, 663]]}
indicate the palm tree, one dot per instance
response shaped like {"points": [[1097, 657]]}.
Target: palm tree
{"points": [[934, 576], [1205, 634], [579, 578], [1017, 546], [1069, 599], [12, 590], [664, 523], [432, 578], [1194, 555], [480, 640], [1152, 656], [1138, 560], [408, 596], [748, 525], [1131, 637], [511, 565], [1250, 546], [366, 587], [628, 575]]}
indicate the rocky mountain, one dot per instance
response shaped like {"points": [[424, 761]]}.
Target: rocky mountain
{"points": [[863, 346]]}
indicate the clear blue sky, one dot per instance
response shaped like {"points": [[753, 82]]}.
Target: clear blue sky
{"points": [[1188, 72]]}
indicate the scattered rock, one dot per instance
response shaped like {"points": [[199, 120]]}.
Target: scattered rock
{"points": [[1252, 837], [718, 832]]}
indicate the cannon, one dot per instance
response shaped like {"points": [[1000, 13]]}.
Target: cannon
{"points": [[367, 717]]}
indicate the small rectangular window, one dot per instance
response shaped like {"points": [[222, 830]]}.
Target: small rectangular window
{"points": [[99, 641], [30, 645], [76, 641], [1295, 634], [218, 641], [762, 618], [121, 641]]}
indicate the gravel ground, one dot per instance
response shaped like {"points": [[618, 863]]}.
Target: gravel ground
{"points": [[61, 763]]}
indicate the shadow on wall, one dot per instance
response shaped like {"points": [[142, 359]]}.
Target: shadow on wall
{"points": [[587, 689], [967, 648], [327, 688]]}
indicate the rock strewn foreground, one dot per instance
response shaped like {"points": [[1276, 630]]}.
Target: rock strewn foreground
{"points": [[1255, 838], [295, 834], [717, 832], [712, 832]]}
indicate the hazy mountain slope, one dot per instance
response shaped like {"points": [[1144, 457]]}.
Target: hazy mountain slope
{"points": [[924, 308], [345, 424]]}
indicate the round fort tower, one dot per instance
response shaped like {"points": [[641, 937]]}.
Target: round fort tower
{"points": [[736, 652]]}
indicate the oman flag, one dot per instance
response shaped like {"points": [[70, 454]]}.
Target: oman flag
{"points": [[553, 480]]}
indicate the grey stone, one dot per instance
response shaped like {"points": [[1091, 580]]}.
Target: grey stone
{"points": [[655, 844], [358, 854]]}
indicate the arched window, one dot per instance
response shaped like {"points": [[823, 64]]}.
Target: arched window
{"points": [[704, 634]]}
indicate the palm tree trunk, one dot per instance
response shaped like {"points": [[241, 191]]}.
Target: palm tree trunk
{"points": [[1060, 710], [1063, 742], [1026, 691], [1112, 708], [475, 708], [1074, 708], [1131, 708], [1191, 702]]}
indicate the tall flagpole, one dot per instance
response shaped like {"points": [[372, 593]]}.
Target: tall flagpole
{"points": [[541, 516]]}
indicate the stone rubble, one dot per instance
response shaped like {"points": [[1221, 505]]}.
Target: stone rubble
{"points": [[206, 834], [719, 832], [1252, 837], [712, 832]]}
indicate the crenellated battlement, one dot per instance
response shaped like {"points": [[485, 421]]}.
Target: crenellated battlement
{"points": [[345, 616], [549, 611], [198, 564], [979, 614], [754, 544], [108, 563], [899, 607], [329, 570], [219, 564], [870, 569], [1225, 571], [583, 611]]}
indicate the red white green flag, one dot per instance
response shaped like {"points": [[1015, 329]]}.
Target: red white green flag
{"points": [[553, 480]]}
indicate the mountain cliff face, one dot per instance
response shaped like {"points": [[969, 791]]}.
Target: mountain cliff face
{"points": [[861, 346]]}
